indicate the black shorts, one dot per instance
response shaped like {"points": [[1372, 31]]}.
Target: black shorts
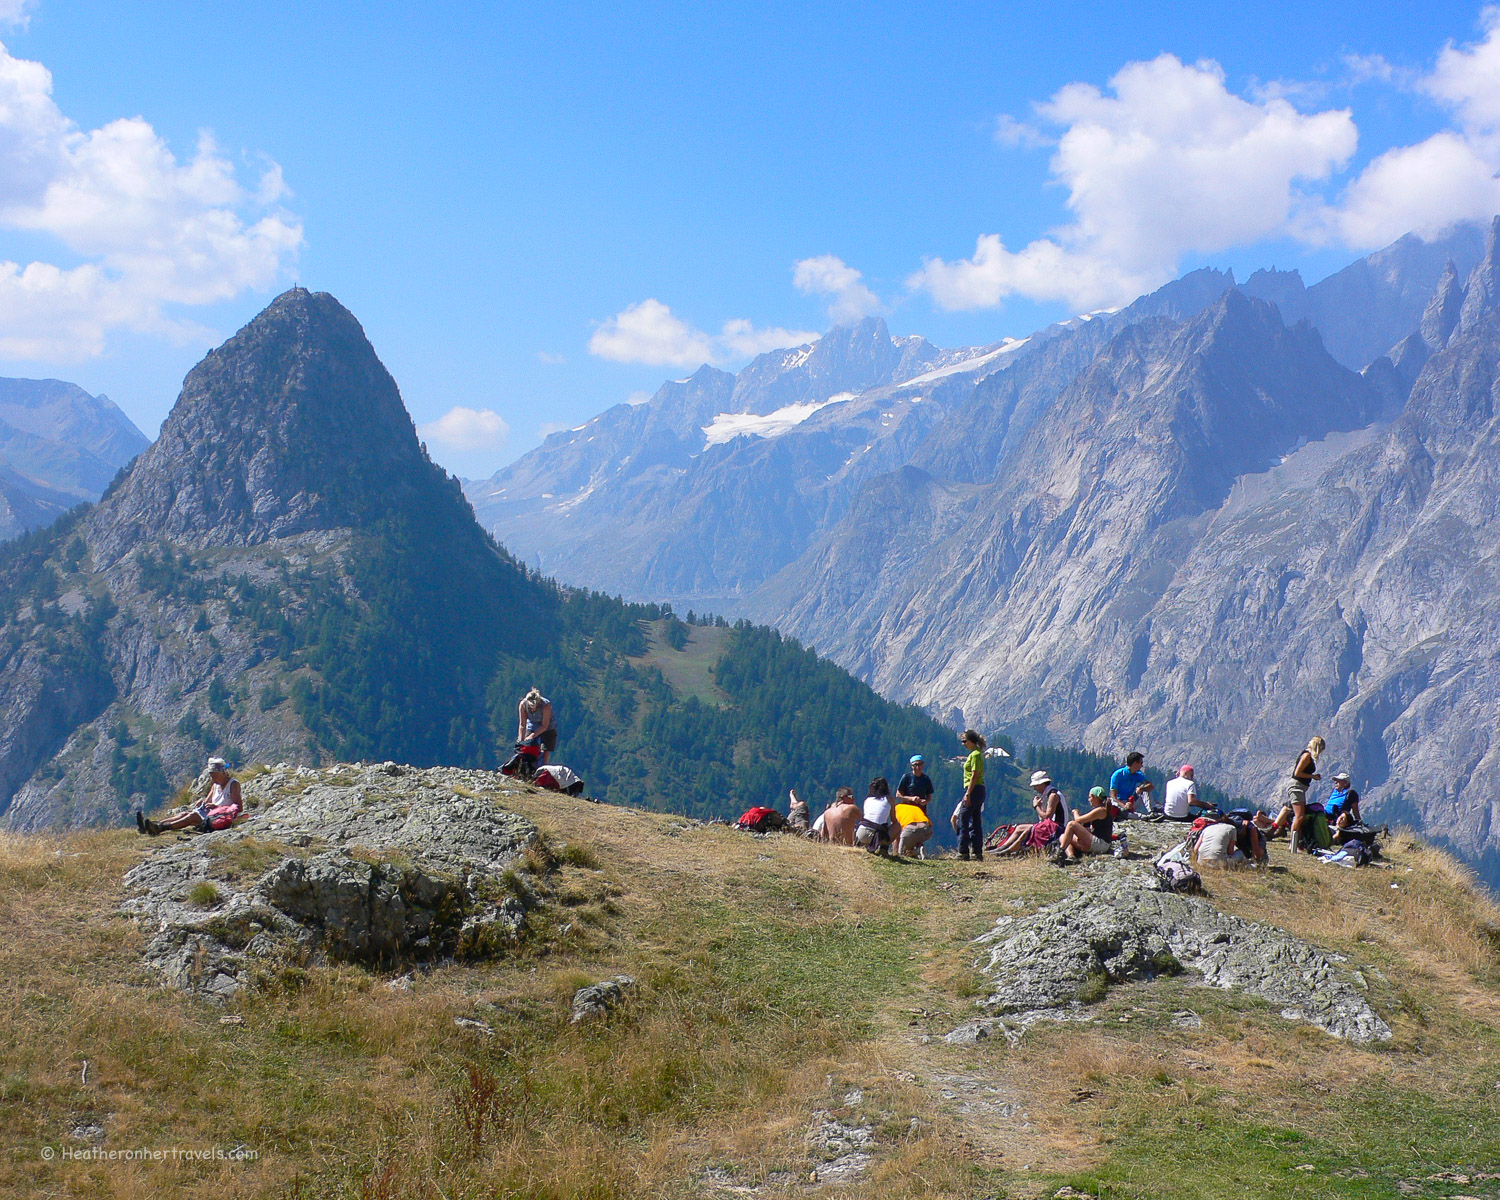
{"points": [[548, 739]]}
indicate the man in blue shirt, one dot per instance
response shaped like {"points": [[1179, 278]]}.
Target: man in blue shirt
{"points": [[1130, 782], [1342, 807]]}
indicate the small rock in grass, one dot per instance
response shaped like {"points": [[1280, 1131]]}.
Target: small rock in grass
{"points": [[599, 999]]}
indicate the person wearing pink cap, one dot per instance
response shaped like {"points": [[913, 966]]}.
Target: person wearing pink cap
{"points": [[1182, 796]]}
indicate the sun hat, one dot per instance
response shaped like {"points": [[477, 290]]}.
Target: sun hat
{"points": [[216, 764], [1096, 793], [1040, 777], [1341, 775], [1185, 769], [915, 759]]}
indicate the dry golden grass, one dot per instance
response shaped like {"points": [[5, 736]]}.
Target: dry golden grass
{"points": [[777, 977]]}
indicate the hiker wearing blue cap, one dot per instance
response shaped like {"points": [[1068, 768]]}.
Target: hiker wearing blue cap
{"points": [[913, 794]]}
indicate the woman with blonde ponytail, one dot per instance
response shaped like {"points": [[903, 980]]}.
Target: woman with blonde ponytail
{"points": [[1303, 776]]}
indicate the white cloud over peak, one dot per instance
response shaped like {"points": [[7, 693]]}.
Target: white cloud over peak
{"points": [[467, 430], [741, 339], [841, 285], [1436, 183], [151, 231], [1169, 163], [652, 334]]}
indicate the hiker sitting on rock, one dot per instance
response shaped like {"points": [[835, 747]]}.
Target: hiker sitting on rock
{"points": [[839, 819], [913, 794], [535, 722], [1093, 831], [874, 829], [1182, 796], [217, 808], [1052, 818], [1129, 784]]}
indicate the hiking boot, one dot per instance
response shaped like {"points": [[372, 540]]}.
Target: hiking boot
{"points": [[140, 821], [963, 856], [152, 827]]}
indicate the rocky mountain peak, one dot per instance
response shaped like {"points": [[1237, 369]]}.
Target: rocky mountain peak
{"points": [[1482, 293], [1442, 312], [291, 425]]}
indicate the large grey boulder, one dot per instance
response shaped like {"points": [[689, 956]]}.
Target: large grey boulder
{"points": [[1118, 926], [381, 865]]}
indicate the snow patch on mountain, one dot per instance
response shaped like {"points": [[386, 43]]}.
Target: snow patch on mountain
{"points": [[968, 365], [727, 426]]}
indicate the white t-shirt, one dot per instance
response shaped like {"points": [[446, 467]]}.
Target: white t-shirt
{"points": [[1217, 843], [1179, 792], [877, 809]]}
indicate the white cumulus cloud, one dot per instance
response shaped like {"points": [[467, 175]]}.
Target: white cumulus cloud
{"points": [[829, 276], [652, 334], [145, 230], [15, 12], [1168, 162], [467, 430], [1447, 178]]}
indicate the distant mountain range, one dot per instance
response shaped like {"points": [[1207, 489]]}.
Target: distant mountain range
{"points": [[1213, 523], [285, 574], [58, 446]]}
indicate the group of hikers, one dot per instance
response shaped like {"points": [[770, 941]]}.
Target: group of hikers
{"points": [[902, 823]]}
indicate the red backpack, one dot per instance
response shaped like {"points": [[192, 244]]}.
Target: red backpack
{"points": [[760, 819]]}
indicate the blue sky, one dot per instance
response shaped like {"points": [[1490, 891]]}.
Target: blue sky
{"points": [[538, 211]]}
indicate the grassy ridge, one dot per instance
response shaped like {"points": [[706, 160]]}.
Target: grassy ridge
{"points": [[778, 980]]}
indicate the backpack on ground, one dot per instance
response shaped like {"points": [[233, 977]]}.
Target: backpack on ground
{"points": [[760, 820], [1174, 869], [523, 763], [1315, 832], [1174, 875], [557, 778]]}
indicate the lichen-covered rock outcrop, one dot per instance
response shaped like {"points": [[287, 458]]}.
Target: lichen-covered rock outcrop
{"points": [[1118, 926], [380, 864]]}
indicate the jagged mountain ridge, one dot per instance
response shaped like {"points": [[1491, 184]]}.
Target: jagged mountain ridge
{"points": [[286, 575], [682, 498]]}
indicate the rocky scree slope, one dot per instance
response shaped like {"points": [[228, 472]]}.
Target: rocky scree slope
{"points": [[383, 865]]}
